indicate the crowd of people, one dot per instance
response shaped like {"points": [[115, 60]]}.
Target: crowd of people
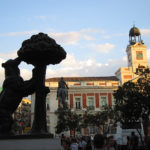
{"points": [[99, 142]]}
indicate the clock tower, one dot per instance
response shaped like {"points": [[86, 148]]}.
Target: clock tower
{"points": [[137, 57], [136, 50]]}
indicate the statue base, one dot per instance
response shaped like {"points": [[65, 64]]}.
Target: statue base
{"points": [[27, 136], [30, 142]]}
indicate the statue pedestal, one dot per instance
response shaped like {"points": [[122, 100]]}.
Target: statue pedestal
{"points": [[26, 136], [30, 144]]}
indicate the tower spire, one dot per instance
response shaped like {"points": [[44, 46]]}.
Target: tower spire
{"points": [[135, 35], [133, 23]]}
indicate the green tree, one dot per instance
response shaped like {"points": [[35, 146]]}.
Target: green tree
{"points": [[73, 122], [133, 101], [100, 119], [62, 120], [67, 120]]}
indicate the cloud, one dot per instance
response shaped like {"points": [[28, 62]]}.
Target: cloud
{"points": [[104, 48], [121, 34], [122, 62], [26, 74], [11, 55], [19, 33], [41, 17], [145, 32], [88, 38], [72, 37], [92, 30], [66, 38], [106, 36], [73, 67], [1, 71]]}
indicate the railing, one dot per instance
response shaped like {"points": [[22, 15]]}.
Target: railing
{"points": [[90, 107], [78, 108]]}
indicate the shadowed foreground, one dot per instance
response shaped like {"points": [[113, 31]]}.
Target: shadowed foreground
{"points": [[30, 144]]}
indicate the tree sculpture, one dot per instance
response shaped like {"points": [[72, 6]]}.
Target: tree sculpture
{"points": [[41, 50]]}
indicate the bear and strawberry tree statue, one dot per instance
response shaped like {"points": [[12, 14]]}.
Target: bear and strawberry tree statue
{"points": [[41, 50]]}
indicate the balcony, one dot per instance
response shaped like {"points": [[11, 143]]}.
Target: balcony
{"points": [[78, 108], [90, 107]]}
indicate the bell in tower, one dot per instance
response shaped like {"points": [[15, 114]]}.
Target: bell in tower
{"points": [[135, 36]]}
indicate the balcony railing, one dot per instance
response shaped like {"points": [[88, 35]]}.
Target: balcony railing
{"points": [[90, 107], [78, 108]]}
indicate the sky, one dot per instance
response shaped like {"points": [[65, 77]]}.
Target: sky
{"points": [[94, 33]]}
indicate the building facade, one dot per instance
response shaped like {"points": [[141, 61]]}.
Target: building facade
{"points": [[84, 94], [92, 93]]}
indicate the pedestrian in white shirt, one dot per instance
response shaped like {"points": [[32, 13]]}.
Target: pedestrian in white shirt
{"points": [[74, 144]]}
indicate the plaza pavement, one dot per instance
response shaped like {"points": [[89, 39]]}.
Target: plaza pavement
{"points": [[30, 144]]}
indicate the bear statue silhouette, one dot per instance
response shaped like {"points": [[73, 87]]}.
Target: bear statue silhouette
{"points": [[14, 89]]}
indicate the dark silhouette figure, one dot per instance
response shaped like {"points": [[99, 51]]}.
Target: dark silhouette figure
{"points": [[14, 89], [62, 91], [89, 144], [134, 141], [99, 142]]}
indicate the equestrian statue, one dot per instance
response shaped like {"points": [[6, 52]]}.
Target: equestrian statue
{"points": [[62, 92]]}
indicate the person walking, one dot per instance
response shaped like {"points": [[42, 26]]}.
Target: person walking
{"points": [[82, 144], [74, 144], [89, 144], [112, 145], [99, 142], [134, 141]]}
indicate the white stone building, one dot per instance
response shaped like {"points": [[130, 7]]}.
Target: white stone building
{"points": [[85, 93], [94, 92]]}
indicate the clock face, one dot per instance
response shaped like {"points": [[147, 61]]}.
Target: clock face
{"points": [[139, 55]]}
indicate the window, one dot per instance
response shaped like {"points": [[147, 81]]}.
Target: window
{"points": [[47, 104], [78, 102], [90, 103], [103, 101], [90, 83], [48, 119], [91, 130], [47, 107]]}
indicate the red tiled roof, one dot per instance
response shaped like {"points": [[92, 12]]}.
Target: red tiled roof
{"points": [[78, 79]]}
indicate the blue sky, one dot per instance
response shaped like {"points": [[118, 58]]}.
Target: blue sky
{"points": [[94, 33]]}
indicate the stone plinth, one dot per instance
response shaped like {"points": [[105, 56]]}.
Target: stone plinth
{"points": [[30, 144]]}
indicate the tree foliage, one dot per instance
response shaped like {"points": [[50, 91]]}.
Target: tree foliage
{"points": [[100, 118], [133, 100], [67, 120]]}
